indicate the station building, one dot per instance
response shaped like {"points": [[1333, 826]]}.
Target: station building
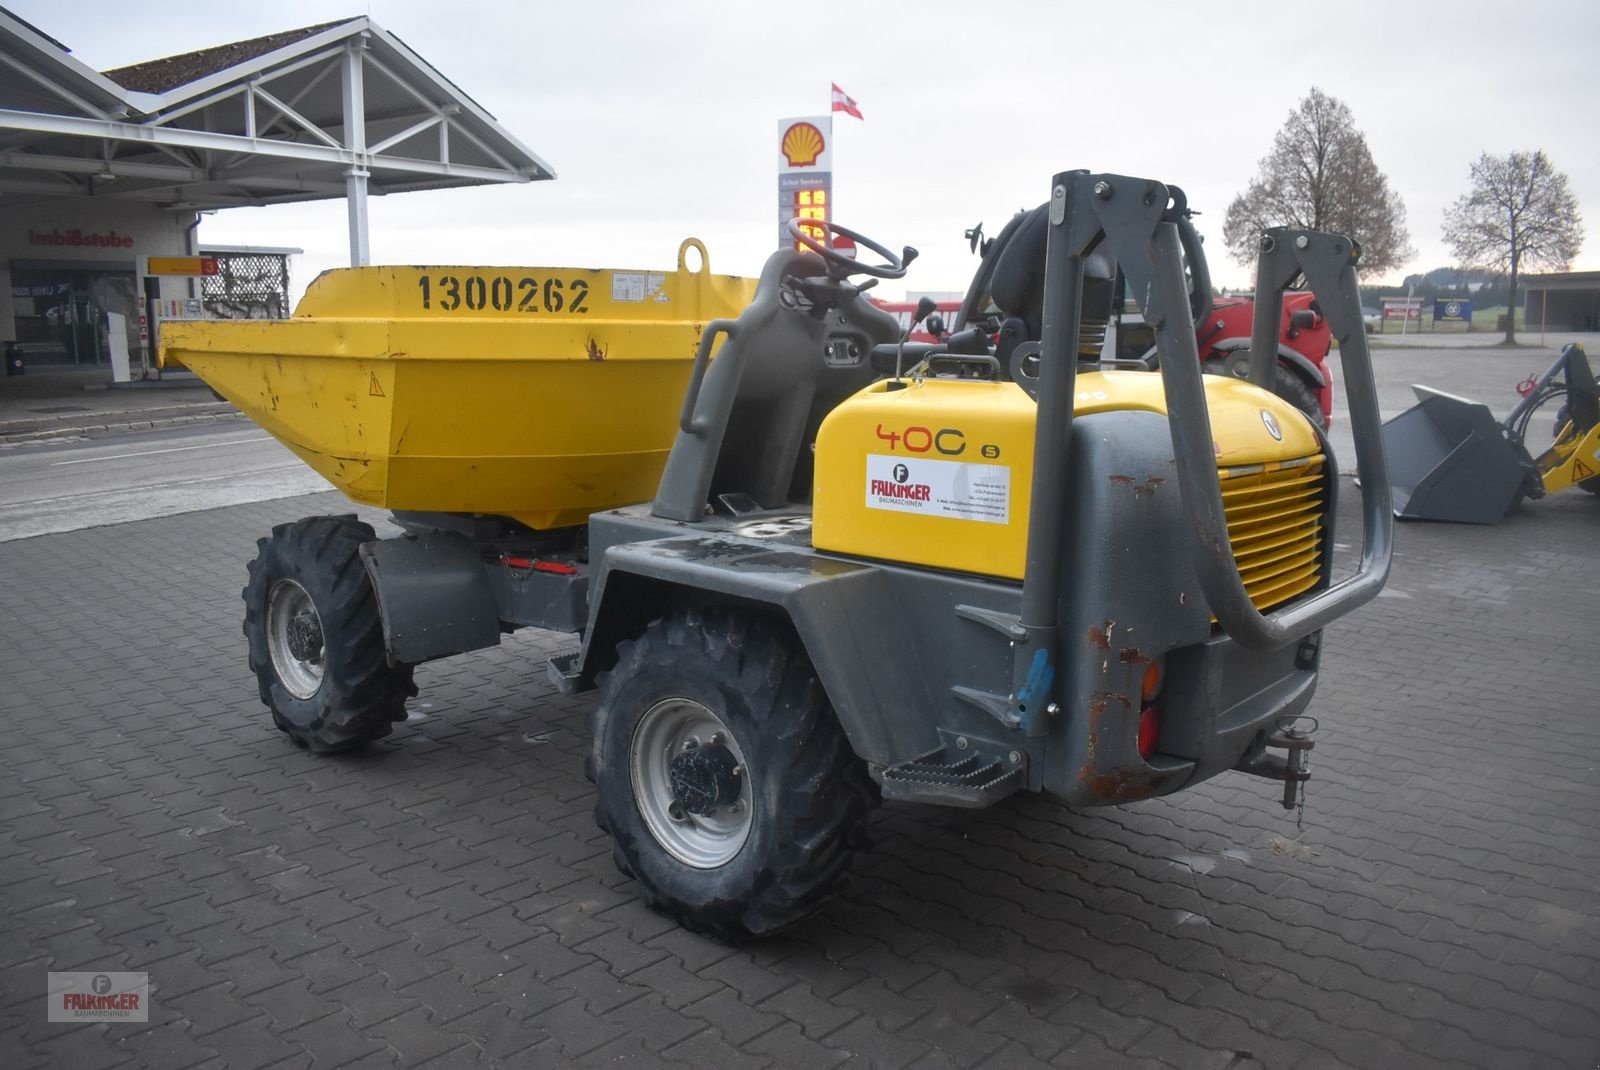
{"points": [[102, 170]]}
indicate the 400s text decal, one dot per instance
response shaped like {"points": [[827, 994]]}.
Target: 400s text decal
{"points": [[503, 293]]}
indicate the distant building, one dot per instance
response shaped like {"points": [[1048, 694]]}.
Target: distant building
{"points": [[99, 171], [1562, 301]]}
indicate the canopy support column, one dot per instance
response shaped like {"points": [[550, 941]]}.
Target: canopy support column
{"points": [[355, 139]]}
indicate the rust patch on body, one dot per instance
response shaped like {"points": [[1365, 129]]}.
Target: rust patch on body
{"points": [[1101, 636], [1147, 489], [1132, 655], [1099, 700], [595, 351], [1123, 784]]}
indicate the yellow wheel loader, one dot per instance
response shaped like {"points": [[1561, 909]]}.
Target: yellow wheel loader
{"points": [[1449, 459], [802, 580]]}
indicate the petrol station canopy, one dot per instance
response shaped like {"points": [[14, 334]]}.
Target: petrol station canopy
{"points": [[335, 110]]}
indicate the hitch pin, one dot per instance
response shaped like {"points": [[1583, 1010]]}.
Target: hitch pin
{"points": [[1297, 771]]}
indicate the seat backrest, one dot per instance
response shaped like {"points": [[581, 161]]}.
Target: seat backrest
{"points": [[1017, 287], [766, 392], [1583, 395], [1017, 284]]}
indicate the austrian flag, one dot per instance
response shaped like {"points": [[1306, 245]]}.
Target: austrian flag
{"points": [[845, 103]]}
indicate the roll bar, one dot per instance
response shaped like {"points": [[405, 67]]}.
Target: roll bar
{"points": [[1328, 262], [1140, 219]]}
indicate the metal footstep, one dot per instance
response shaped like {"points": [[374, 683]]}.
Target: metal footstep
{"points": [[955, 777]]}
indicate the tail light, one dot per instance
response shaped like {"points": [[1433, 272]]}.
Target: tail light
{"points": [[1149, 720], [1151, 684], [1149, 729]]}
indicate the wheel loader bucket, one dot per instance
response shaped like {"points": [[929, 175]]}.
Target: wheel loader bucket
{"points": [[1449, 459]]}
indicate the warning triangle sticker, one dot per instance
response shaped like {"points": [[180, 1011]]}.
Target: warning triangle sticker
{"points": [[374, 388], [1581, 471]]}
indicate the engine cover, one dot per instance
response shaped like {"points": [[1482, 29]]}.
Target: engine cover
{"points": [[935, 473], [938, 472]]}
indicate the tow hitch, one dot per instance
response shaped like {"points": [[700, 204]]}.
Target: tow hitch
{"points": [[1293, 767]]}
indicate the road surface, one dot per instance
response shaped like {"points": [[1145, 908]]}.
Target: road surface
{"points": [[55, 486]]}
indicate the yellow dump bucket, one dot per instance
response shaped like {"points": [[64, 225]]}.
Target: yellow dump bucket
{"points": [[542, 394]]}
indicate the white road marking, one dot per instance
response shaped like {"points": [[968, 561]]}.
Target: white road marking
{"points": [[165, 484], [152, 453], [72, 512]]}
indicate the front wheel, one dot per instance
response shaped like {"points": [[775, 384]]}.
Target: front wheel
{"points": [[316, 643], [723, 777]]}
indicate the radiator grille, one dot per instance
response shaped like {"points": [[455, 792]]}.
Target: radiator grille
{"points": [[1275, 525]]}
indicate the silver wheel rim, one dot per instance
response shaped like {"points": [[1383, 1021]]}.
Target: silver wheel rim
{"points": [[703, 841], [287, 602]]}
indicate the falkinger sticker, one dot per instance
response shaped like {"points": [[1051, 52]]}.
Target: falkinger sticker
{"points": [[98, 996], [939, 488]]}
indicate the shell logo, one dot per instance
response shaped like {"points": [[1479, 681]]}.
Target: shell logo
{"points": [[801, 145]]}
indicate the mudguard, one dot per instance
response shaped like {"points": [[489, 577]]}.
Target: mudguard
{"points": [[843, 611], [1295, 359]]}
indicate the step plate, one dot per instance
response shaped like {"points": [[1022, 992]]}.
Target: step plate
{"points": [[970, 780]]}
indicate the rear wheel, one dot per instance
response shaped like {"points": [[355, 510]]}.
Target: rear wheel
{"points": [[1287, 384], [723, 777], [316, 643]]}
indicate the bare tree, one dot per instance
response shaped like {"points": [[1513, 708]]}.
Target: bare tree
{"points": [[1321, 176], [1520, 211]]}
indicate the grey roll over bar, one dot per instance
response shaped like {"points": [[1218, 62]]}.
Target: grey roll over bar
{"points": [[1328, 262], [1138, 221]]}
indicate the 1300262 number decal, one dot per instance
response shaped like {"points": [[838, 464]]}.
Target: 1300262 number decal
{"points": [[503, 293]]}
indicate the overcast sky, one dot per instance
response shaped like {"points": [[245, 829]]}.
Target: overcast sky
{"points": [[660, 117]]}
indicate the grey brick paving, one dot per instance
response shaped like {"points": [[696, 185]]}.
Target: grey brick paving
{"points": [[444, 900]]}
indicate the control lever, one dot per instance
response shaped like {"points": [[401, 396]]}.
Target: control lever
{"points": [[975, 239], [925, 305]]}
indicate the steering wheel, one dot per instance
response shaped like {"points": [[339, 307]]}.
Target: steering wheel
{"points": [[894, 267]]}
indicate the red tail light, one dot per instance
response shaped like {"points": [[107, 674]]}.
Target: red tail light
{"points": [[1149, 729], [517, 561]]}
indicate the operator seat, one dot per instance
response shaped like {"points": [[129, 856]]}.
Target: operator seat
{"points": [[767, 390], [1017, 284], [1017, 289], [1583, 395]]}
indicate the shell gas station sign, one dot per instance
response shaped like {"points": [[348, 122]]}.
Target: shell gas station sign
{"points": [[193, 266], [805, 171]]}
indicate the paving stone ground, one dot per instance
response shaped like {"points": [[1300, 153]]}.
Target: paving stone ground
{"points": [[444, 898]]}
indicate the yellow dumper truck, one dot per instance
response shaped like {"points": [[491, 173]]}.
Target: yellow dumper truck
{"points": [[810, 566]]}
